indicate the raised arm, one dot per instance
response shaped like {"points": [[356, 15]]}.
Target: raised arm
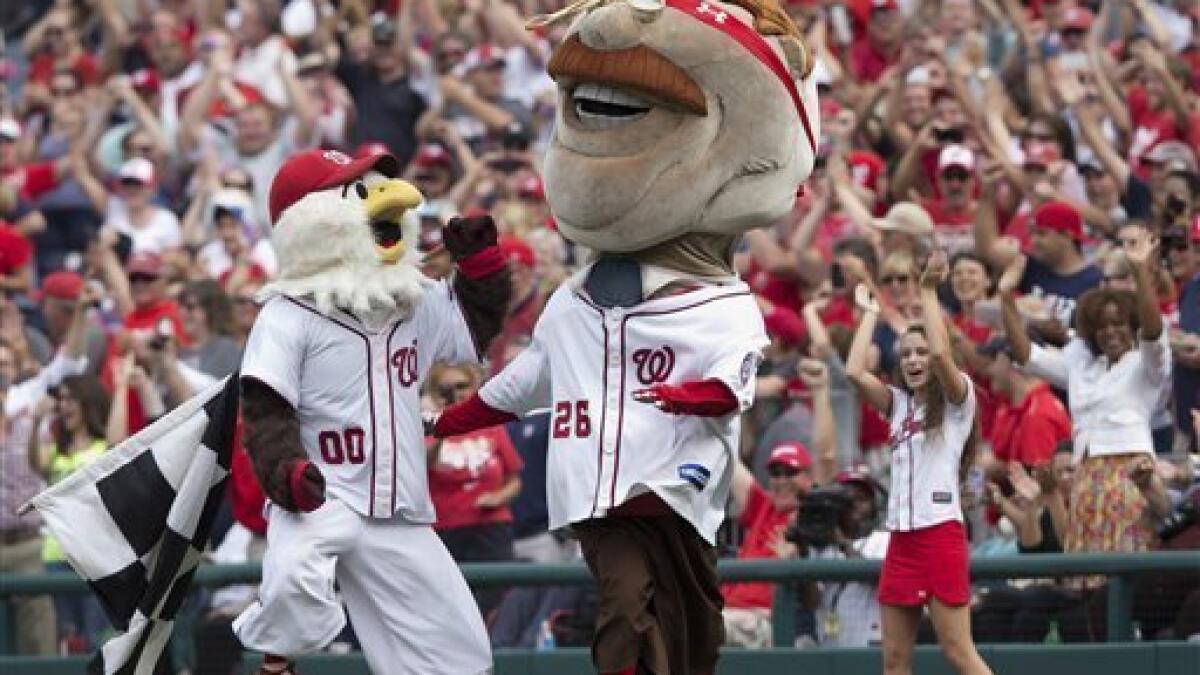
{"points": [[1142, 259], [815, 375], [941, 355], [909, 170], [1014, 327], [872, 389], [39, 455], [993, 248], [483, 283], [820, 345]]}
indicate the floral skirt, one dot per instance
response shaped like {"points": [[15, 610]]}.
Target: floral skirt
{"points": [[1108, 512]]}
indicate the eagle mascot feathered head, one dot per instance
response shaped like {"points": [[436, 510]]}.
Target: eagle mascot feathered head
{"points": [[343, 229]]}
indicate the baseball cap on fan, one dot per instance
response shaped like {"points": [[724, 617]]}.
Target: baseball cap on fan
{"points": [[482, 56], [1060, 217], [10, 128], [792, 455], [317, 170], [137, 170], [1175, 155], [1078, 18], [956, 155], [878, 6], [906, 217]]}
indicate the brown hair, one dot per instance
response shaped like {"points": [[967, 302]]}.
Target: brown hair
{"points": [[94, 402], [935, 408], [1089, 313]]}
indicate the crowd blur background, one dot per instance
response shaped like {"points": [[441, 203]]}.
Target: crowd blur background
{"points": [[1044, 144]]}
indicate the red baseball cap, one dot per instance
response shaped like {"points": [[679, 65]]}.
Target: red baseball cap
{"points": [[371, 149], [431, 155], [1079, 18], [516, 250], [145, 80], [866, 168], [62, 285], [146, 264], [859, 477], [531, 188], [318, 170], [790, 454], [1060, 217], [884, 6]]}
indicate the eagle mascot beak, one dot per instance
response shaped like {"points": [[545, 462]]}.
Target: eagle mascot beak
{"points": [[387, 202]]}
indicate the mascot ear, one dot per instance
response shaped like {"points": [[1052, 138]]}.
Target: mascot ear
{"points": [[799, 58]]}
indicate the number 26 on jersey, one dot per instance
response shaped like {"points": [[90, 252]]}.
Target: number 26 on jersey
{"points": [[571, 419]]}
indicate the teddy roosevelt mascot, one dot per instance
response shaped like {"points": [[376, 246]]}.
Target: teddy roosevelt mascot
{"points": [[681, 124]]}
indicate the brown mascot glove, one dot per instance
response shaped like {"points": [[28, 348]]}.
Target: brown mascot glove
{"points": [[297, 486], [471, 241]]}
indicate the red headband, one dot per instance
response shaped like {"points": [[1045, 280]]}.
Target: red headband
{"points": [[709, 14]]}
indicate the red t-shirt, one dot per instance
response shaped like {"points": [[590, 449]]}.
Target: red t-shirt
{"points": [[1150, 127], [764, 525], [1029, 433], [32, 180], [15, 249], [978, 333], [833, 229], [953, 229], [866, 62], [468, 466]]}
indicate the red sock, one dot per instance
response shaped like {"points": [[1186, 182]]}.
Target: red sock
{"points": [[628, 670]]}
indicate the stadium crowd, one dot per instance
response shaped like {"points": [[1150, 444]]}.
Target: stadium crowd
{"points": [[1048, 146]]}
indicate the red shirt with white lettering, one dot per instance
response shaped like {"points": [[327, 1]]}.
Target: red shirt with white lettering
{"points": [[764, 526], [468, 466], [1150, 127]]}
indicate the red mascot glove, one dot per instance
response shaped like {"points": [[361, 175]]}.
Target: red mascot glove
{"points": [[301, 487], [708, 398], [471, 241]]}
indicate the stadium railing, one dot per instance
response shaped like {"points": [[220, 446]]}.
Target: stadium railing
{"points": [[1121, 569]]}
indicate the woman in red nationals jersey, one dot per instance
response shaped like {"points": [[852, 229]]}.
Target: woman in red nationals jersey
{"points": [[472, 479], [933, 435]]}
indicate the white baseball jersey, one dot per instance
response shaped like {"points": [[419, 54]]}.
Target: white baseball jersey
{"points": [[584, 362], [925, 468], [357, 393]]}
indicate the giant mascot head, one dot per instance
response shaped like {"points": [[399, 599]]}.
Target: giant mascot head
{"points": [[678, 118], [345, 232]]}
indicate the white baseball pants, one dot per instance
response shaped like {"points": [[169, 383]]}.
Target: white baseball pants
{"points": [[411, 608]]}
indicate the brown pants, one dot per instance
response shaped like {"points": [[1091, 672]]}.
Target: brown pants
{"points": [[660, 599]]}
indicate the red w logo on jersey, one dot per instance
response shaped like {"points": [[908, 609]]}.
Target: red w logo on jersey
{"points": [[911, 426], [654, 365], [404, 360]]}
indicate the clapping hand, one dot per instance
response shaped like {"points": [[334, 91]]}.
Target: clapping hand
{"points": [[1140, 253], [1010, 279], [1142, 472], [936, 270], [865, 300]]}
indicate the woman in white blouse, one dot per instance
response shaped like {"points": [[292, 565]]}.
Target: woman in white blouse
{"points": [[1114, 371]]}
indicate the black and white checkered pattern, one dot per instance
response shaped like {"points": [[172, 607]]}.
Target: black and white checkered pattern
{"points": [[134, 522]]}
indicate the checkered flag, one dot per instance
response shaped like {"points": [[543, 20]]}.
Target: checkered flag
{"points": [[134, 522]]}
